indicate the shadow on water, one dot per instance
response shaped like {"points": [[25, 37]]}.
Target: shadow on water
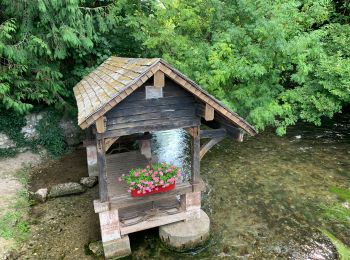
{"points": [[265, 198]]}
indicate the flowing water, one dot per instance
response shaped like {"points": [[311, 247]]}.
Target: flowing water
{"points": [[267, 198]]}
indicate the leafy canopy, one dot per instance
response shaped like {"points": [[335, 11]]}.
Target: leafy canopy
{"points": [[274, 62]]}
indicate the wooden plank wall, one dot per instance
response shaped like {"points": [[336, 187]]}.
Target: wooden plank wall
{"points": [[176, 109]]}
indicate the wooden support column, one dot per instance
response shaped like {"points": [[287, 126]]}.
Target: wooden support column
{"points": [[191, 204], [195, 167], [91, 156], [101, 159]]}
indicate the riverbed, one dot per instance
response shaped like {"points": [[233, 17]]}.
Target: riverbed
{"points": [[266, 198]]}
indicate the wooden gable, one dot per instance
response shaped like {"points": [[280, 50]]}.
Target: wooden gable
{"points": [[118, 82], [137, 113]]}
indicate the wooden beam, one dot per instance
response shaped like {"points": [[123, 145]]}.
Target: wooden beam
{"points": [[100, 125], [159, 80], [110, 141], [213, 133], [209, 113], [125, 200], [102, 173], [180, 123], [205, 148], [195, 158], [157, 220]]}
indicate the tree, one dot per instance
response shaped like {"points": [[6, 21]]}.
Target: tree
{"points": [[274, 62], [47, 46]]}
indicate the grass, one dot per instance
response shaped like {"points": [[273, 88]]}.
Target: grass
{"points": [[339, 214], [343, 250], [13, 224], [342, 194]]}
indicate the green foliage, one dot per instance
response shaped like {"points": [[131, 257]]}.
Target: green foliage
{"points": [[13, 224], [342, 249], [11, 124], [274, 62], [342, 194], [337, 212], [50, 134]]}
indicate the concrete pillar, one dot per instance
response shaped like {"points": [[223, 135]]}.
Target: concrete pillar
{"points": [[185, 235], [91, 154], [145, 148], [114, 245]]}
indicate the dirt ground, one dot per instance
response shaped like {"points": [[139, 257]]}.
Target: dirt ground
{"points": [[62, 227], [9, 186], [69, 168]]}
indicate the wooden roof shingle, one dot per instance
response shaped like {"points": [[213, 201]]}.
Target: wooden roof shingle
{"points": [[118, 77]]}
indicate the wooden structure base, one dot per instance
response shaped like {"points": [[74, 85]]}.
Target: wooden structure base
{"points": [[123, 214]]}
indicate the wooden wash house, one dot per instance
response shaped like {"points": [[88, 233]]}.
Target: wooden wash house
{"points": [[128, 99]]}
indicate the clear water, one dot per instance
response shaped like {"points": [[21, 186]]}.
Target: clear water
{"points": [[266, 196]]}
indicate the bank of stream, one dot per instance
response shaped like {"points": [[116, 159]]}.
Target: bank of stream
{"points": [[267, 198]]}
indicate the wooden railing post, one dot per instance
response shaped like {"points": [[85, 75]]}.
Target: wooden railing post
{"points": [[195, 167]]}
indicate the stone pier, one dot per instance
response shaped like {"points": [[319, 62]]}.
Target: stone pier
{"points": [[182, 236]]}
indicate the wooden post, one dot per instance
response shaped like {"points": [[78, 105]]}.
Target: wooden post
{"points": [[209, 113], [195, 167], [159, 79], [100, 125], [101, 159], [191, 204]]}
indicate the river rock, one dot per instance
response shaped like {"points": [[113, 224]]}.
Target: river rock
{"points": [[40, 195], [65, 189], [311, 244], [88, 181], [96, 248]]}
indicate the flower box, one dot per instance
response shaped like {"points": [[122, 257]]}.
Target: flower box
{"points": [[155, 178], [157, 189]]}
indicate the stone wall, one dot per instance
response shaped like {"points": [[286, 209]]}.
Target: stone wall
{"points": [[6, 142], [73, 134]]}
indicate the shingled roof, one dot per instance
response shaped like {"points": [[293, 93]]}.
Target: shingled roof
{"points": [[118, 77]]}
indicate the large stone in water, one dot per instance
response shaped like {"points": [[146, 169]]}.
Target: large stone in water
{"points": [[185, 235], [65, 189]]}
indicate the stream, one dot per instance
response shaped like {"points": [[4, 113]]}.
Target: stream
{"points": [[267, 198]]}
